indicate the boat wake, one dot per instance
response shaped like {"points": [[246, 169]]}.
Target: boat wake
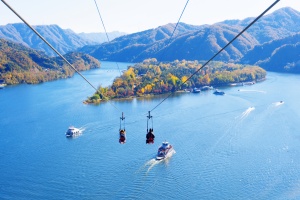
{"points": [[260, 91], [276, 104], [153, 162], [246, 113]]}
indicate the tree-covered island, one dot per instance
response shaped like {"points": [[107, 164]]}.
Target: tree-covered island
{"points": [[152, 78]]}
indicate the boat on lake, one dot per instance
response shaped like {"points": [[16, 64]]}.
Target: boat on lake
{"points": [[73, 132], [164, 151], [196, 90], [2, 84], [218, 92], [204, 88]]}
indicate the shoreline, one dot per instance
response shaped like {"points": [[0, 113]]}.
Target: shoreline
{"points": [[235, 84]]}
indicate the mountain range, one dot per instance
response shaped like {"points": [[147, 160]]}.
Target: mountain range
{"points": [[64, 40], [266, 43], [202, 42]]}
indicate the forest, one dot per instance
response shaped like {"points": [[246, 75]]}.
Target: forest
{"points": [[19, 64], [151, 77]]}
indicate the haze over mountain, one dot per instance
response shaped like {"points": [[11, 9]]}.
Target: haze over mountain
{"points": [[279, 24], [100, 37], [64, 40]]}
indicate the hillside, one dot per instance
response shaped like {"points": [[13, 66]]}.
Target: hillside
{"points": [[286, 58], [20, 64], [278, 55], [63, 40], [198, 42], [279, 24], [203, 44], [126, 48]]}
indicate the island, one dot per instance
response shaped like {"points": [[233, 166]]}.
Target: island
{"points": [[151, 77]]}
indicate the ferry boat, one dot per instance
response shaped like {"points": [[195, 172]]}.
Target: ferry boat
{"points": [[164, 150], [73, 132]]}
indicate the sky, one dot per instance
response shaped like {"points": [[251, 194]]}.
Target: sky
{"points": [[131, 16]]}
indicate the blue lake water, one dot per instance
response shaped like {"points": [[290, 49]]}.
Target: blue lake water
{"points": [[244, 145]]}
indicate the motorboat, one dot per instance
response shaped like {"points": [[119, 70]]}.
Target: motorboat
{"points": [[218, 92], [73, 132], [2, 84], [164, 151], [196, 90]]}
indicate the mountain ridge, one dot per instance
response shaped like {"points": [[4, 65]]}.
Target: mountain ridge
{"points": [[21, 64], [142, 45]]}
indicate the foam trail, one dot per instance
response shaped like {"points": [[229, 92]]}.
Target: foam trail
{"points": [[246, 113], [151, 163], [260, 91], [279, 103]]}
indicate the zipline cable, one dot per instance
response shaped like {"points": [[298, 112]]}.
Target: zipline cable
{"points": [[105, 31], [175, 28], [177, 24], [247, 27], [59, 54]]}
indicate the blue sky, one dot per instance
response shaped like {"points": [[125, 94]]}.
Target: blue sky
{"points": [[132, 15]]}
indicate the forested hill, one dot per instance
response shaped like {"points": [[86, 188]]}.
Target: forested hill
{"points": [[126, 48], [63, 40], [281, 55], [20, 64], [277, 25], [198, 42]]}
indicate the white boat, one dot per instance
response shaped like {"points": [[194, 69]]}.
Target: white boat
{"points": [[73, 132], [2, 86], [164, 150], [204, 88]]}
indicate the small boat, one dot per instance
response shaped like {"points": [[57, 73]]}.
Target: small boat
{"points": [[196, 90], [204, 88], [73, 132], [164, 150], [218, 92], [2, 84]]}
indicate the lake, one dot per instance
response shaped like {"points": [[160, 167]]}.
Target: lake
{"points": [[243, 145]]}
